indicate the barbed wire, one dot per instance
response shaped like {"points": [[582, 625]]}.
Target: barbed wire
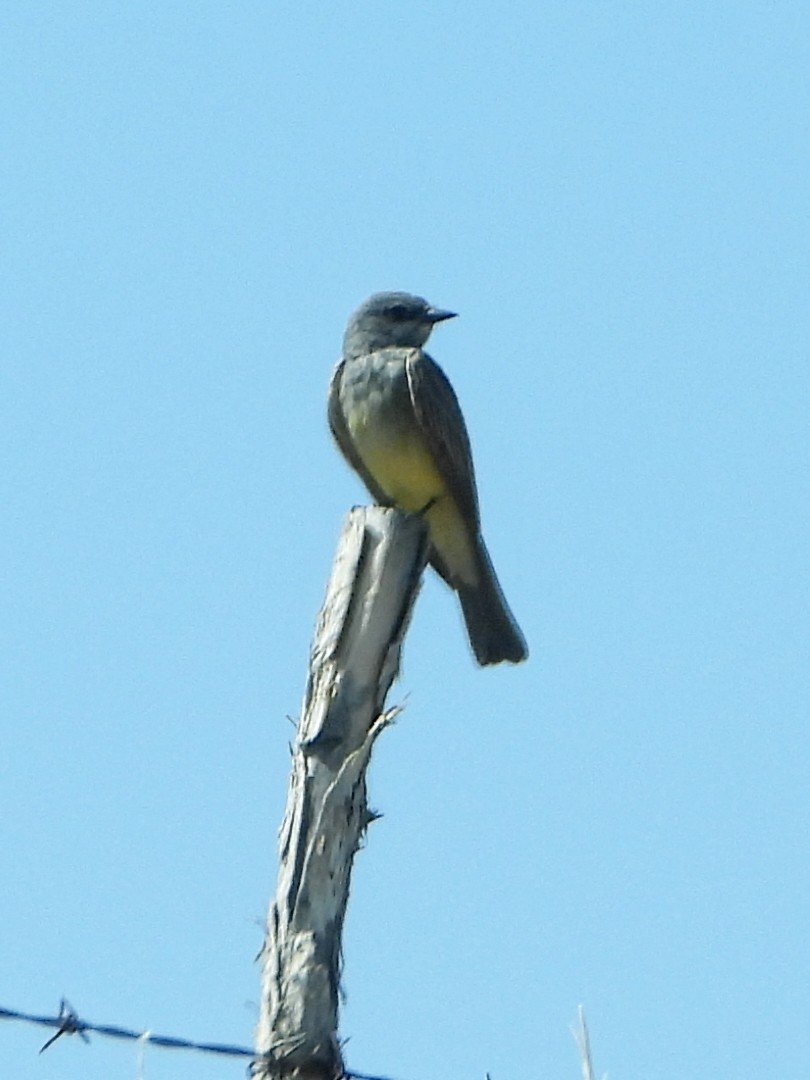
{"points": [[68, 1022]]}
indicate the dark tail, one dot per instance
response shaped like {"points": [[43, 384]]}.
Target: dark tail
{"points": [[494, 635]]}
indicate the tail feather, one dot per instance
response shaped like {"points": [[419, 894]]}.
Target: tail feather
{"points": [[493, 632]]}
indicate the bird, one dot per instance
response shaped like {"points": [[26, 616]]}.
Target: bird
{"points": [[396, 419]]}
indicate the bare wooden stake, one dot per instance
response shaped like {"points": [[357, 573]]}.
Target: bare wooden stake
{"points": [[583, 1041], [355, 658]]}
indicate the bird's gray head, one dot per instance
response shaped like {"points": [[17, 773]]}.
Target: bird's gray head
{"points": [[391, 318]]}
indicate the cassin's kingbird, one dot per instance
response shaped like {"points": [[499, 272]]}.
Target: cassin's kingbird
{"points": [[398, 423]]}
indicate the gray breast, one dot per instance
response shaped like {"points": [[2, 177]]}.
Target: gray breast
{"points": [[374, 388]]}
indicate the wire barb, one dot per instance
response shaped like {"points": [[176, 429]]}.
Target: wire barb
{"points": [[70, 1025]]}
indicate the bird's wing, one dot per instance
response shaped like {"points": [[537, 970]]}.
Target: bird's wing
{"points": [[337, 424], [439, 415]]}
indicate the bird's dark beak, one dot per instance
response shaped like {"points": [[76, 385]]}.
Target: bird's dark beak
{"points": [[437, 315]]}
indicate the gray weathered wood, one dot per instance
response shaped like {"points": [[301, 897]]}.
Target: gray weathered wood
{"points": [[355, 658]]}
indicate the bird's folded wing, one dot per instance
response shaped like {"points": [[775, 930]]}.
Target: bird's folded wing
{"points": [[440, 418]]}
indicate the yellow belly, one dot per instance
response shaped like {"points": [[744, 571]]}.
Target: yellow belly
{"points": [[405, 470]]}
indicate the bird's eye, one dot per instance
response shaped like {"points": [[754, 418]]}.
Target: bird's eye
{"points": [[398, 312]]}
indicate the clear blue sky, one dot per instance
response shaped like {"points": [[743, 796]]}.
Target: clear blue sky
{"points": [[615, 198]]}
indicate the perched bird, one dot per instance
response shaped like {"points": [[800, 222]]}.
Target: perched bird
{"points": [[396, 419]]}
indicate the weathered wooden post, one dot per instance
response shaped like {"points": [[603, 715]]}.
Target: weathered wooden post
{"points": [[355, 658]]}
